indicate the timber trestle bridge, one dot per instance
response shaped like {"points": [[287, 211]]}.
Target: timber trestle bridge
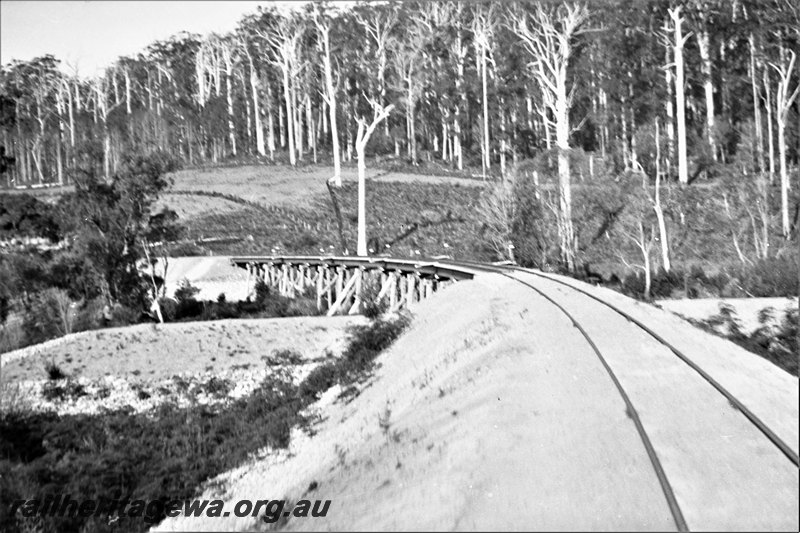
{"points": [[338, 281]]}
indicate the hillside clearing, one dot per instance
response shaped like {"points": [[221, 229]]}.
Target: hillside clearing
{"points": [[286, 186]]}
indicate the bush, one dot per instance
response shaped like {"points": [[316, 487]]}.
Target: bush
{"points": [[169, 309], [318, 381], [366, 342], [677, 283], [90, 315], [286, 356], [187, 304], [54, 371], [57, 391], [76, 274], [262, 292], [124, 316], [770, 277], [171, 451], [371, 306], [49, 316], [776, 342]]}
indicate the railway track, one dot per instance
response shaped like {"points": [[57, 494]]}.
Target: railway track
{"points": [[579, 322], [646, 378]]}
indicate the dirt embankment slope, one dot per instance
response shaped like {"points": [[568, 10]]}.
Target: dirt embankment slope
{"points": [[491, 412], [155, 351]]}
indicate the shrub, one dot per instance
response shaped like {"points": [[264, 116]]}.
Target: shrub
{"points": [[187, 304], [173, 450], [301, 306], [371, 306], [186, 291], [366, 342], [677, 283], [665, 284], [56, 391], [54, 371], [89, 315], [216, 387], [262, 292], [776, 342], [169, 309], [50, 315], [770, 277], [286, 356], [318, 381], [122, 315]]}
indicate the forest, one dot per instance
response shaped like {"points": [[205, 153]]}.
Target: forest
{"points": [[665, 122]]}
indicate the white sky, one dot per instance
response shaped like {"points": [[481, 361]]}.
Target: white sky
{"points": [[92, 34]]}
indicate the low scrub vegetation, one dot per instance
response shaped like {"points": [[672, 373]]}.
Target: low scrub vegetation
{"points": [[168, 453], [99, 234], [405, 220], [776, 338], [775, 277], [266, 304]]}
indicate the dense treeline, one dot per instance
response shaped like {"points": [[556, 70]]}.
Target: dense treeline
{"points": [[463, 76], [557, 96]]}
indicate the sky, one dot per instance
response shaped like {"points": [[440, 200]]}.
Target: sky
{"points": [[90, 35]]}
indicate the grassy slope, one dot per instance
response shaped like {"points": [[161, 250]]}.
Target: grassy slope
{"points": [[444, 213]]}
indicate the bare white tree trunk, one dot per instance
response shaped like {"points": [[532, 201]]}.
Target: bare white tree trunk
{"points": [[770, 136], [662, 227], [270, 123], [378, 29], [298, 119], [548, 40], [323, 30], [483, 28], [704, 43], [783, 103], [284, 39], [669, 107], [412, 132], [756, 105], [462, 102], [227, 57], [362, 138], [254, 84], [287, 95], [311, 138], [680, 99]]}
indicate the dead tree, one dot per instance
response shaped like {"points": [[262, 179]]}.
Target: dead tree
{"points": [[783, 102], [704, 45], [378, 28], [227, 53], [255, 84], [284, 40], [324, 43], [548, 38], [365, 131], [484, 24], [679, 40], [104, 108]]}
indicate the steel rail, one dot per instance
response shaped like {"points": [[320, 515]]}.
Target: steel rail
{"points": [[465, 270], [785, 449], [666, 487], [472, 269], [752, 417]]}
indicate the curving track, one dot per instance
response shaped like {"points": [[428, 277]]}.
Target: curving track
{"points": [[713, 471], [722, 446]]}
